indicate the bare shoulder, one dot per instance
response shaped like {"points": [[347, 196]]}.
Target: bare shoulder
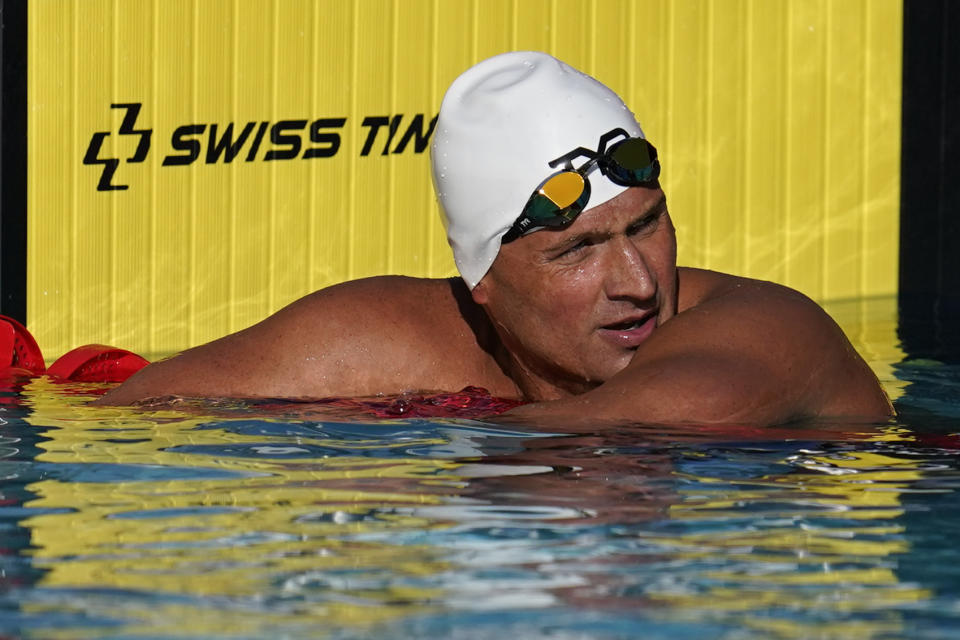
{"points": [[698, 286], [764, 311], [370, 305], [792, 358], [383, 291], [377, 335]]}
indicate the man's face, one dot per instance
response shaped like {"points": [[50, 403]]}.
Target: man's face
{"points": [[573, 305]]}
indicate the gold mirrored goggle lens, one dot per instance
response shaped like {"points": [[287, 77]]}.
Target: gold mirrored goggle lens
{"points": [[558, 200], [563, 189]]}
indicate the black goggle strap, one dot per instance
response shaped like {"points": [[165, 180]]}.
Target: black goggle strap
{"points": [[594, 156], [610, 135], [566, 160]]}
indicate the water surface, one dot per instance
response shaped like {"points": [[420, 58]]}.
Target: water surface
{"points": [[231, 520]]}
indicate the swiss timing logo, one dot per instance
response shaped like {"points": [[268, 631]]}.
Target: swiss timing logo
{"points": [[127, 128], [215, 143]]}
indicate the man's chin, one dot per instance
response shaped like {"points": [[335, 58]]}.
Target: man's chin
{"points": [[616, 360]]}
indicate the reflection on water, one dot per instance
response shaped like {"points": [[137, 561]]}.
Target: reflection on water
{"points": [[297, 521]]}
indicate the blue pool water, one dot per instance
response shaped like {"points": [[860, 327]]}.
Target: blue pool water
{"points": [[226, 520]]}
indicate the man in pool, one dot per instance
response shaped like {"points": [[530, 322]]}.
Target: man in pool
{"points": [[570, 299]]}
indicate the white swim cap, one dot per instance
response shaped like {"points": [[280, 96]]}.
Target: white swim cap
{"points": [[501, 123]]}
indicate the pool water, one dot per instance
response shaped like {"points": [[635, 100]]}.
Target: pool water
{"points": [[285, 520]]}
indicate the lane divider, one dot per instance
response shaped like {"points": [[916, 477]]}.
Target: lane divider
{"points": [[21, 356]]}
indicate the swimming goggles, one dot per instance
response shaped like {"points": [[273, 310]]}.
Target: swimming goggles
{"points": [[564, 195]]}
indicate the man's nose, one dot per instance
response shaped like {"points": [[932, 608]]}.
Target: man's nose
{"points": [[628, 272]]}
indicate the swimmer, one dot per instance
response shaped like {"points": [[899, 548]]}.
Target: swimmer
{"points": [[570, 297]]}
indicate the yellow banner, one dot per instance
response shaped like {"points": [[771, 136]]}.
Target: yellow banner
{"points": [[194, 165]]}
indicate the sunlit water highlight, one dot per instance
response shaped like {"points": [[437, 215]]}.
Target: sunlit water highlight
{"points": [[282, 520]]}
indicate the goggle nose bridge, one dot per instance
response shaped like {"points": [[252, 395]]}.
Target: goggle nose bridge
{"points": [[593, 156]]}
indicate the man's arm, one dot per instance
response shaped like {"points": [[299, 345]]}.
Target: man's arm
{"points": [[744, 351], [377, 335]]}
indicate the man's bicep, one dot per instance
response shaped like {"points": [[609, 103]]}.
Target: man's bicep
{"points": [[705, 388]]}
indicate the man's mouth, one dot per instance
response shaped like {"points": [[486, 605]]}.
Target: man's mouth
{"points": [[629, 332], [626, 325]]}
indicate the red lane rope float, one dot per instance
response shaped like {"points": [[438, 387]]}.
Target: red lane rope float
{"points": [[19, 352], [96, 363]]}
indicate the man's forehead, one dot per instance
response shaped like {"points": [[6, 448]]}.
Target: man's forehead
{"points": [[634, 200]]}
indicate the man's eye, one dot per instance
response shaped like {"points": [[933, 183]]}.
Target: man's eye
{"points": [[577, 248], [640, 226]]}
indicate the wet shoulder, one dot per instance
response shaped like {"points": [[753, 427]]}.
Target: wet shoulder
{"points": [[379, 335], [782, 332], [393, 333], [393, 301], [700, 285]]}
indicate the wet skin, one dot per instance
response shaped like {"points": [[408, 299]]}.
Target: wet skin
{"points": [[592, 324], [572, 306], [598, 324]]}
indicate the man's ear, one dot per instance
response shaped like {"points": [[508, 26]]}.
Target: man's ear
{"points": [[479, 293]]}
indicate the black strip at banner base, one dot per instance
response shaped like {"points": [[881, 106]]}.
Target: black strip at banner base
{"points": [[929, 300]]}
